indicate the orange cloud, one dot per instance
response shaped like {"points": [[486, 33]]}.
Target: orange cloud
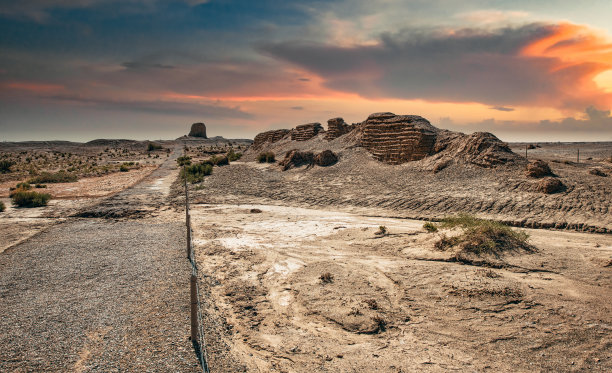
{"points": [[578, 51]]}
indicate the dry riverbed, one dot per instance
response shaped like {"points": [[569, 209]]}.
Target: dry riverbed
{"points": [[302, 289]]}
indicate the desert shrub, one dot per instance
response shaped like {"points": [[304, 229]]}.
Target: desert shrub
{"points": [[5, 166], [371, 303], [219, 160], [2, 206], [268, 157], [195, 173], [24, 186], [153, 146], [183, 160], [40, 186], [124, 168], [326, 278], [382, 230], [430, 227], [26, 198], [481, 236], [55, 177], [232, 156]]}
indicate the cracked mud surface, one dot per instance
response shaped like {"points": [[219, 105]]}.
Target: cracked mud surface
{"points": [[395, 304]]}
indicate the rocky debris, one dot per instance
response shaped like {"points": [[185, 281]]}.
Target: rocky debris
{"points": [[325, 158], [549, 185], [296, 158], [306, 131], [395, 139], [442, 164], [336, 127], [531, 146], [269, 137], [198, 130], [538, 168], [597, 172]]}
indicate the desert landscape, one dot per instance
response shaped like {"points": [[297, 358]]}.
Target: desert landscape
{"points": [[305, 186], [339, 249]]}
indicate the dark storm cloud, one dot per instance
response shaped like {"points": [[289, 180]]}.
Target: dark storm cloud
{"points": [[468, 65], [157, 107]]}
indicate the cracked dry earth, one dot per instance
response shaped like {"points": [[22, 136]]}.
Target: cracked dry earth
{"points": [[100, 294], [393, 303]]}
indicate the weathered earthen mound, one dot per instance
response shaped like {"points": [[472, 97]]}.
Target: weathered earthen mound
{"points": [[597, 172], [336, 127], [395, 139], [269, 137], [325, 158], [198, 130], [306, 131], [538, 168], [549, 185], [480, 148], [296, 158]]}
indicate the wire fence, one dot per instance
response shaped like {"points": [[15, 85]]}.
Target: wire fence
{"points": [[197, 324]]}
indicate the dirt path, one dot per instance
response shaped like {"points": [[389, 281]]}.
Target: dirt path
{"points": [[101, 294]]}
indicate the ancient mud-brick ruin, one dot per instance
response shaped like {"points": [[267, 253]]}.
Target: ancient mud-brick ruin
{"points": [[306, 131], [336, 127], [198, 130], [395, 139], [269, 137]]}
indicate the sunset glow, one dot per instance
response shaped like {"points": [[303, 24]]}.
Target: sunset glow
{"points": [[468, 67]]}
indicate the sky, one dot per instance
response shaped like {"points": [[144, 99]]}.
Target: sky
{"points": [[146, 69]]}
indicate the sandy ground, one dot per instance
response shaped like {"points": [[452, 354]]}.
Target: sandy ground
{"points": [[395, 304]]}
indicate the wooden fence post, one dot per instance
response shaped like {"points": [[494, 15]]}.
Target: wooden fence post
{"points": [[194, 309]]}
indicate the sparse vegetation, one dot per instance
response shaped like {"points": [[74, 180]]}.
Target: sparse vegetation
{"points": [[382, 230], [183, 160], [5, 166], [430, 227], [54, 177], [232, 156], [326, 278], [40, 186], [371, 303], [266, 157], [27, 198], [481, 236], [195, 173], [2, 206], [152, 146], [124, 168]]}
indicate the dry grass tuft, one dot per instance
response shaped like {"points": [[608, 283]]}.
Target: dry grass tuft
{"points": [[481, 236], [326, 278]]}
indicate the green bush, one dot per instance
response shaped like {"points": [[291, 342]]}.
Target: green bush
{"points": [[195, 173], [430, 227], [232, 156], [183, 160], [268, 157], [218, 160], [40, 186], [154, 146], [124, 168], [2, 206], [56, 177], [25, 198], [5, 166]]}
